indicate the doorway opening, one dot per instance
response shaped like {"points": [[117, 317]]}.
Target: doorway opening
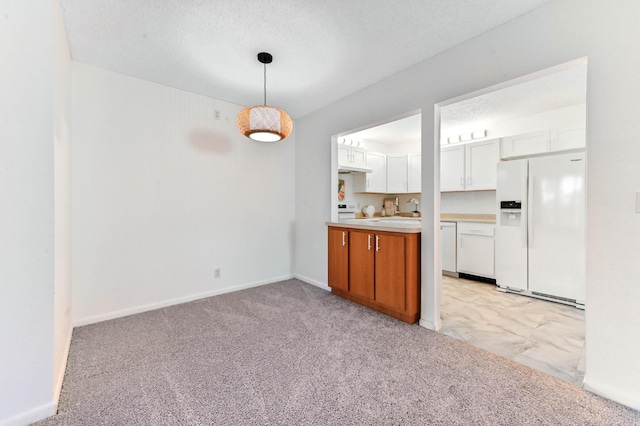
{"points": [[487, 233], [374, 163]]}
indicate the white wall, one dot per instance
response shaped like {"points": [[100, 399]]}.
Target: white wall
{"points": [[62, 200], [27, 213], [163, 194], [556, 33], [476, 202]]}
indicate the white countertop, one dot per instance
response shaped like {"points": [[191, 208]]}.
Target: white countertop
{"points": [[468, 220], [410, 225], [468, 217]]}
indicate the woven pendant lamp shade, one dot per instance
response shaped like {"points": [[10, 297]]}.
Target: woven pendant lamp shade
{"points": [[264, 123]]}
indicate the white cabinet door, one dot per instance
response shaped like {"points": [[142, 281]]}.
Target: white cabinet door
{"points": [[344, 155], [527, 144], [358, 157], [452, 168], [415, 173], [376, 181], [448, 246], [351, 157], [481, 160], [476, 249], [397, 173], [565, 139]]}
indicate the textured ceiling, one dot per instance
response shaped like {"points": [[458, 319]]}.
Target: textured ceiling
{"points": [[557, 90], [323, 50]]}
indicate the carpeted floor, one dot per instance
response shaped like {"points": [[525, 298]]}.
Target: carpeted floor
{"points": [[288, 354]]}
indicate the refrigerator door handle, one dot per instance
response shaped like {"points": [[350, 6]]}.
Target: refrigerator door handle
{"points": [[530, 211], [524, 224]]}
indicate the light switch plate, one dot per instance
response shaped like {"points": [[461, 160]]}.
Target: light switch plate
{"points": [[637, 202]]}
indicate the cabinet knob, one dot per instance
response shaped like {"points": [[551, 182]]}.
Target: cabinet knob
{"points": [[344, 238], [377, 243], [369, 242]]}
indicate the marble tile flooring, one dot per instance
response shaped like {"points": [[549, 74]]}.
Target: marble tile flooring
{"points": [[543, 335]]}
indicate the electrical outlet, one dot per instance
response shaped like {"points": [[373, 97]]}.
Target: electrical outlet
{"points": [[216, 273], [216, 114]]}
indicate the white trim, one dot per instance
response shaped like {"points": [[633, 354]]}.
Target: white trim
{"points": [[57, 385], [30, 416], [614, 394], [430, 325], [312, 282], [151, 306]]}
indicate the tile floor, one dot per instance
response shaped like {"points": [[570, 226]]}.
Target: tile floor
{"points": [[543, 335]]}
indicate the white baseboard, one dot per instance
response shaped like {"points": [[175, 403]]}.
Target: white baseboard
{"points": [[430, 325], [151, 306], [312, 282], [30, 416], [631, 400], [57, 385]]}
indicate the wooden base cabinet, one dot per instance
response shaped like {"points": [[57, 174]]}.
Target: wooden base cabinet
{"points": [[339, 258], [383, 270]]}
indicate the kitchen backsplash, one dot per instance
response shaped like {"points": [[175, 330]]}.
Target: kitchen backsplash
{"points": [[361, 200], [478, 202], [475, 202]]}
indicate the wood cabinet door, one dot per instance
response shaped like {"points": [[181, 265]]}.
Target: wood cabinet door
{"points": [[339, 258], [361, 263], [390, 289]]}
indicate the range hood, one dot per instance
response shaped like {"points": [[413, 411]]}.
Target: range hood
{"points": [[348, 168]]}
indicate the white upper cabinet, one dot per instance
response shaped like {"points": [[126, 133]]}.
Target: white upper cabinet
{"points": [[376, 180], [344, 155], [527, 144], [397, 173], [351, 157], [470, 167], [452, 168], [554, 140], [481, 161], [359, 157], [415, 173], [565, 139]]}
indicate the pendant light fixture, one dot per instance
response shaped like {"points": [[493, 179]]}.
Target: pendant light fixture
{"points": [[264, 123]]}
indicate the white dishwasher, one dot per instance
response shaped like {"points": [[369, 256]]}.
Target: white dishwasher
{"points": [[476, 249], [448, 243]]}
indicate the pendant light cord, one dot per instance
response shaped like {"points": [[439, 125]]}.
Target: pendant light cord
{"points": [[265, 84]]}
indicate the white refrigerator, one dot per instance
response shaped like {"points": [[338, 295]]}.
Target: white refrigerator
{"points": [[540, 227]]}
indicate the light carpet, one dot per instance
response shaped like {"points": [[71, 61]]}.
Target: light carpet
{"points": [[290, 353]]}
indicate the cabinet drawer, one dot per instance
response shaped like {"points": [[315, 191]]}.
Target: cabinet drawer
{"points": [[487, 229]]}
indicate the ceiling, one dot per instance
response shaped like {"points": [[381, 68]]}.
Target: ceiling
{"points": [[323, 50], [407, 129], [556, 90], [560, 89]]}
